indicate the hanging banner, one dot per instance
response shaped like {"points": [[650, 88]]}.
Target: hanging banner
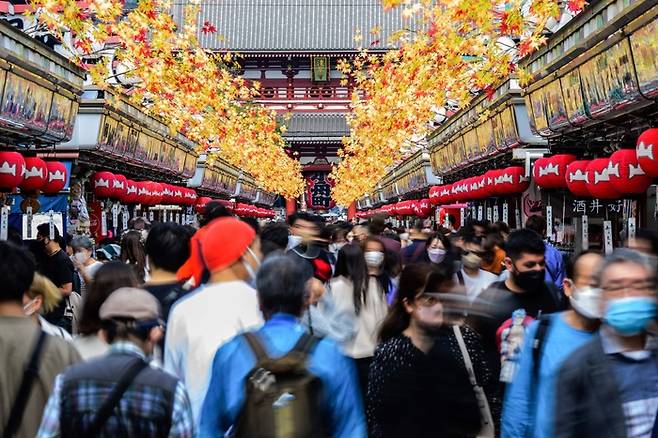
{"points": [[318, 191], [631, 227], [549, 222], [584, 224], [4, 222], [125, 216], [489, 214], [51, 223], [480, 212], [103, 223], [177, 218], [462, 219], [151, 216], [607, 237], [28, 214], [495, 213], [115, 217], [506, 213]]}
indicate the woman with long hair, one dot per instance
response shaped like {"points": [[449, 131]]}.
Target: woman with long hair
{"points": [[133, 253], [108, 278], [418, 384], [357, 290]]}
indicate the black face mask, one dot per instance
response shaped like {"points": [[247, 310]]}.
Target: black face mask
{"points": [[529, 281]]}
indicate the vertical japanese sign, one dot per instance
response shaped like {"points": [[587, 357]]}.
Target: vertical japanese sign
{"points": [[318, 191]]}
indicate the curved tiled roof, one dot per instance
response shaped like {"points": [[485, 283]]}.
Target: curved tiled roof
{"points": [[294, 25], [317, 125]]}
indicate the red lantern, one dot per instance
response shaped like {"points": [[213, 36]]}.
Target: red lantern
{"points": [[510, 181], [156, 192], [549, 172], [189, 196], [647, 151], [119, 187], [103, 184], [423, 208], [625, 173], [178, 196], [130, 196], [230, 206], [144, 192], [201, 204], [600, 185], [12, 169], [577, 178], [56, 178], [36, 174], [435, 194], [167, 194]]}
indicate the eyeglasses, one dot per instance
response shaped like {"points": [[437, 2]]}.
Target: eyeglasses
{"points": [[632, 287], [427, 300]]}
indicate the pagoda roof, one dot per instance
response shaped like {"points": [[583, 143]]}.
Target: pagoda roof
{"points": [[314, 127], [289, 26]]}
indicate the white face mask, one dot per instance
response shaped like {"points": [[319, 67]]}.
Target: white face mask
{"points": [[374, 259], [436, 254], [404, 236], [29, 309], [250, 269], [293, 241], [335, 247], [586, 301], [81, 257]]}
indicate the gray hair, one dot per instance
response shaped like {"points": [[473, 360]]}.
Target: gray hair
{"points": [[81, 242], [281, 285], [626, 255]]}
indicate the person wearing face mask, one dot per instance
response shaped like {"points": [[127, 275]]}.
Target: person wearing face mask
{"points": [[81, 403], [55, 265], [42, 297], [303, 229], [471, 276], [199, 324], [418, 386], [609, 386], [523, 290], [529, 406], [85, 265], [438, 249]]}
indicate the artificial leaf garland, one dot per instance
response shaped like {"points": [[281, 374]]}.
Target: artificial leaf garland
{"points": [[172, 77], [454, 50]]}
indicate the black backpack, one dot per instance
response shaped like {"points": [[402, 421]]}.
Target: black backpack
{"points": [[283, 399]]}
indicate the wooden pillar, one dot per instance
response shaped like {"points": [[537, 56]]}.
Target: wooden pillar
{"points": [[291, 206], [351, 211]]}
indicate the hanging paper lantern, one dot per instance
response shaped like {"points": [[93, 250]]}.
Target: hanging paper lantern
{"points": [[178, 195], [647, 151], [130, 195], [56, 178], [119, 187], [156, 192], [510, 181], [445, 194], [144, 193], [549, 172], [435, 194], [103, 184], [168, 194], [577, 178], [201, 204], [423, 208], [12, 169], [405, 208], [600, 186], [626, 174], [230, 205], [36, 174]]}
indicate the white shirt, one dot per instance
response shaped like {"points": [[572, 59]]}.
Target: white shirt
{"points": [[368, 320], [199, 324], [475, 285]]}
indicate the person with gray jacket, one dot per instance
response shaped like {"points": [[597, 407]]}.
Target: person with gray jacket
{"points": [[609, 387]]}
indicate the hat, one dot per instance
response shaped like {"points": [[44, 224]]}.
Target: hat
{"points": [[224, 242], [216, 246], [111, 251], [130, 303]]}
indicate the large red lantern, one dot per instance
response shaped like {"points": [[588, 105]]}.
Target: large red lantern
{"points": [[167, 194], [56, 178], [445, 194], [510, 181], [130, 196], [435, 194], [201, 204], [144, 192], [600, 185], [647, 151], [577, 178], [626, 175], [423, 208], [119, 187], [189, 196], [12, 169], [36, 174], [156, 192], [549, 172], [103, 184]]}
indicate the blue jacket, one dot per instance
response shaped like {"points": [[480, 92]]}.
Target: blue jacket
{"points": [[529, 407], [555, 270], [234, 361]]}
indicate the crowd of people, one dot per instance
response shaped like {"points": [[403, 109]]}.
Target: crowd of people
{"points": [[314, 329]]}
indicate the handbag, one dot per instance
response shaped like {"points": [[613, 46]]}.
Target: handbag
{"points": [[488, 429]]}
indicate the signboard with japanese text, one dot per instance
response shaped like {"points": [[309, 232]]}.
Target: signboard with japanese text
{"points": [[318, 191]]}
